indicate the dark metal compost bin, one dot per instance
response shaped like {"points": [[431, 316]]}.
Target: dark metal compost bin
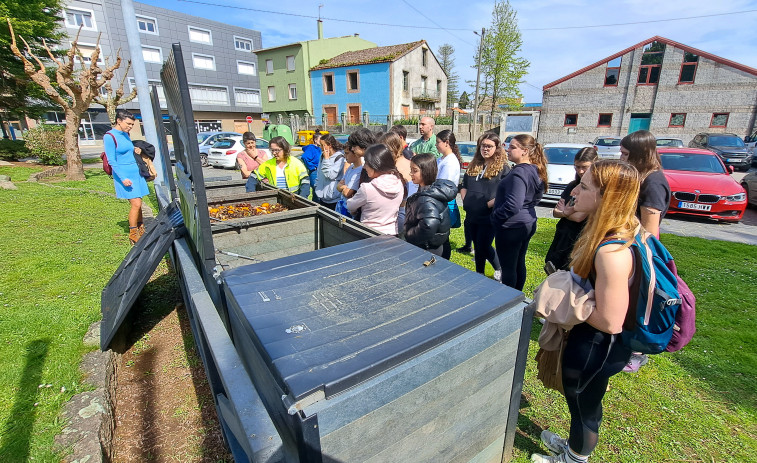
{"points": [[372, 351]]}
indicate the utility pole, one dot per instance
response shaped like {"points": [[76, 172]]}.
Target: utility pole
{"points": [[478, 79]]}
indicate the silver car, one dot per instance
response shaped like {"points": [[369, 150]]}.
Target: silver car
{"points": [[607, 147], [206, 140], [560, 170]]}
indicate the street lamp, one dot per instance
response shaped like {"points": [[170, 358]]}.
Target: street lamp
{"points": [[478, 79]]}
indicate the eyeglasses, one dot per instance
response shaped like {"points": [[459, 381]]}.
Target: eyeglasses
{"points": [[276, 151], [488, 147]]}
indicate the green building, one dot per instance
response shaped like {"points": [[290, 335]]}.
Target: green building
{"points": [[284, 73]]}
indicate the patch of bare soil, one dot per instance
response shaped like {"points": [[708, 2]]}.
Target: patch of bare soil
{"points": [[164, 406]]}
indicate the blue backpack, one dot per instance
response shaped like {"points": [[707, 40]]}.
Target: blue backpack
{"points": [[655, 299]]}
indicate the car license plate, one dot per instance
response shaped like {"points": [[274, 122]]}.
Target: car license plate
{"points": [[694, 206], [554, 191]]}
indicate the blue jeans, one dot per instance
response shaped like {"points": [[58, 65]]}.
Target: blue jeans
{"points": [[313, 175]]}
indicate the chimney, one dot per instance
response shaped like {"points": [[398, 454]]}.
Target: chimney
{"points": [[320, 29]]}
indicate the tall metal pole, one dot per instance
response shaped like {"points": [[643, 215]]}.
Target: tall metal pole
{"points": [[478, 79], [140, 78]]}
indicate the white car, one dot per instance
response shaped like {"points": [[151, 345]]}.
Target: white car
{"points": [[224, 152], [607, 147], [560, 169]]}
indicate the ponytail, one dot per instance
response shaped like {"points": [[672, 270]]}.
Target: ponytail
{"points": [[535, 155], [448, 137]]}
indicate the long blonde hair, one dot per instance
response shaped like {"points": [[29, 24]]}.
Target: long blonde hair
{"points": [[535, 155], [498, 161], [615, 216]]}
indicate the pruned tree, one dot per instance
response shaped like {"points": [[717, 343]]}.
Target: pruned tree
{"points": [[502, 70], [464, 100], [447, 62], [112, 99], [79, 88]]}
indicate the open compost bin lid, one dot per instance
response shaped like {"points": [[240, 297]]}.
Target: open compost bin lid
{"points": [[132, 275], [329, 319]]}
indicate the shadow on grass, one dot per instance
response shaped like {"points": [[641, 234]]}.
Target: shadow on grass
{"points": [[17, 430], [527, 432]]}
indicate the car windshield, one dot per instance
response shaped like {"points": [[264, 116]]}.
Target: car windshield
{"points": [[201, 137], [719, 140], [224, 143], [261, 144], [608, 142], [692, 162], [564, 156], [670, 142], [467, 150]]}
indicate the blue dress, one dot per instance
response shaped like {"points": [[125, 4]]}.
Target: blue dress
{"points": [[121, 158]]}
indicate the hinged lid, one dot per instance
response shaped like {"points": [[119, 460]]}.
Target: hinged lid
{"points": [[329, 319]]}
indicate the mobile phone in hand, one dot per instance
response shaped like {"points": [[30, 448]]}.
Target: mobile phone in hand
{"points": [[572, 201]]}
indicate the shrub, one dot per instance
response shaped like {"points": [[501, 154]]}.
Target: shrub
{"points": [[45, 142], [13, 150]]}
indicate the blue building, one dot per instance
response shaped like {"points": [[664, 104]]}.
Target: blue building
{"points": [[397, 80]]}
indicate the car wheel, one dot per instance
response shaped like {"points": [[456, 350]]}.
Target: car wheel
{"points": [[204, 159]]}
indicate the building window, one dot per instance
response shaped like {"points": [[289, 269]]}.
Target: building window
{"points": [[269, 66], [205, 94], [290, 63], [677, 120], [152, 54], [158, 85], [242, 44], [271, 93], [438, 87], [571, 120], [328, 83], [86, 50], [688, 68], [605, 120], [246, 97], [719, 120], [424, 56], [246, 68], [612, 73], [405, 81], [292, 91], [651, 63], [206, 62], [353, 81], [83, 18], [424, 84], [199, 35], [147, 25]]}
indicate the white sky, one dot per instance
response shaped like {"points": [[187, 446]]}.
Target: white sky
{"points": [[553, 53]]}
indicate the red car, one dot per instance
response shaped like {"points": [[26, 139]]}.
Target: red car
{"points": [[701, 185]]}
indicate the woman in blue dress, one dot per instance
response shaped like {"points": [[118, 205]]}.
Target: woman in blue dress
{"points": [[126, 179]]}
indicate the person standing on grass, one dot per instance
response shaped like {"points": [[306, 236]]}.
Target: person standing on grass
{"points": [[484, 174], [594, 350], [127, 181], [514, 213], [640, 150], [311, 156], [427, 142]]}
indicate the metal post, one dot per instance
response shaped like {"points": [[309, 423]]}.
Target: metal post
{"points": [[478, 79], [140, 78]]}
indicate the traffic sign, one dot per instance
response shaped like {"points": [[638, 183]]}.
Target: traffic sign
{"points": [[249, 119]]}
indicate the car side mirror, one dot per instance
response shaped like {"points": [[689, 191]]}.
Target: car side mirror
{"points": [[731, 169]]}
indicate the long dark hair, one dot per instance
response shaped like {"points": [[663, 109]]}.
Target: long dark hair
{"points": [[642, 152], [379, 158], [426, 163], [535, 155], [588, 154], [448, 137], [332, 142]]}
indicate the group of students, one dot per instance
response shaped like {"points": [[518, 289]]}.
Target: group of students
{"points": [[602, 211]]}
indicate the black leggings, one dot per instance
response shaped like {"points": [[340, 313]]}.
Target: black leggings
{"points": [[590, 358], [482, 236], [512, 244]]}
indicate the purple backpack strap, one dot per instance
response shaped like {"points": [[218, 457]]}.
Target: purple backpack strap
{"points": [[685, 326]]}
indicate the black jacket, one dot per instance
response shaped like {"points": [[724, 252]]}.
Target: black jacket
{"points": [[427, 219]]}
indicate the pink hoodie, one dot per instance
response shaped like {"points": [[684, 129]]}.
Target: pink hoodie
{"points": [[380, 201]]}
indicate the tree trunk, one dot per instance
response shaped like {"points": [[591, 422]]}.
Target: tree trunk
{"points": [[74, 167]]}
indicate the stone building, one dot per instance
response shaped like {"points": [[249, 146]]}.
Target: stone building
{"points": [[660, 85]]}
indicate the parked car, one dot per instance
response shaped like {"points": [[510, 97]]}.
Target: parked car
{"points": [[728, 146], [607, 147], [467, 150], [751, 142], [207, 139], [506, 143], [223, 154], [701, 185], [666, 142], [560, 169], [749, 183]]}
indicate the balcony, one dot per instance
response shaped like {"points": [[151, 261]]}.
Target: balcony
{"points": [[425, 95]]}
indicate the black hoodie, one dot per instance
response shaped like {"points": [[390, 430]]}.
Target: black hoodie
{"points": [[427, 219]]}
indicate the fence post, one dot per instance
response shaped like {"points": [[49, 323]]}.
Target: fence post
{"points": [[455, 120], [366, 119], [344, 121]]}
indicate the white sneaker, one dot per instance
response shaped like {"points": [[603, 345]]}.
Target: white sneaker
{"points": [[536, 458], [553, 442], [498, 275]]}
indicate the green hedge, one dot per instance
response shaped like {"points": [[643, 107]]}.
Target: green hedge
{"points": [[45, 142], [13, 150]]}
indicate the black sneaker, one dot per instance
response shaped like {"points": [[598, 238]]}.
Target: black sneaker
{"points": [[465, 249]]}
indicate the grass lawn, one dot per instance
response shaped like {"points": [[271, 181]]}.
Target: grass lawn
{"points": [[61, 242]]}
